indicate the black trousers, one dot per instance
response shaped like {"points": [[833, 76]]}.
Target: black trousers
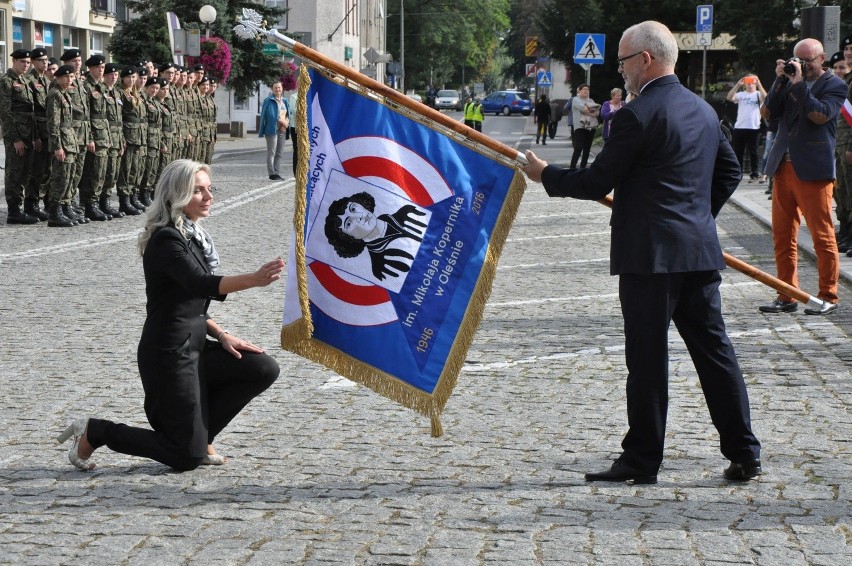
{"points": [[581, 139], [189, 413], [649, 303], [746, 140]]}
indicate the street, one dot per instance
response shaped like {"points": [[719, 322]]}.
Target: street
{"points": [[323, 471]]}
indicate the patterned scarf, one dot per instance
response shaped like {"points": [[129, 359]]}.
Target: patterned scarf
{"points": [[203, 239]]}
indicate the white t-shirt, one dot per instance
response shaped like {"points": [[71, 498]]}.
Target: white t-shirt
{"points": [[748, 111]]}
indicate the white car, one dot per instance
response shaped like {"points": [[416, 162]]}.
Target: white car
{"points": [[448, 100]]}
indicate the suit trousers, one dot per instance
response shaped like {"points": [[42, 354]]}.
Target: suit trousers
{"points": [[222, 386], [649, 303], [792, 198]]}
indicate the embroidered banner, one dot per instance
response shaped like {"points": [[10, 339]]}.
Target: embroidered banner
{"points": [[398, 229]]}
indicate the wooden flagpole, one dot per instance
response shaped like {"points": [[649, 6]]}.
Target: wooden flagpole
{"points": [[252, 26]]}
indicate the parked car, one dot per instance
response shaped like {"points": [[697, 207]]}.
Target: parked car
{"points": [[448, 100], [508, 102], [415, 96]]}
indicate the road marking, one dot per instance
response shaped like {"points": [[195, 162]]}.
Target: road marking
{"points": [[548, 264], [578, 235], [226, 205]]}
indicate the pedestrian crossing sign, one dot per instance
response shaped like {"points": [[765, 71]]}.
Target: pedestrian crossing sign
{"points": [[545, 78], [589, 48]]}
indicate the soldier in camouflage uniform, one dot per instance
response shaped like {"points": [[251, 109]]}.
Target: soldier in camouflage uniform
{"points": [[16, 116], [154, 139], [95, 162], [132, 116], [168, 131], [112, 109], [212, 94], [63, 146], [190, 114], [80, 105], [205, 132], [843, 152], [35, 189], [169, 73]]}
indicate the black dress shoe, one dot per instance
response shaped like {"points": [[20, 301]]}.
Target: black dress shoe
{"points": [[743, 471], [825, 309], [621, 472], [275, 178], [778, 305]]}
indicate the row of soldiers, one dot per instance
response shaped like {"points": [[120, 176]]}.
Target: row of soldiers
{"points": [[72, 138]]}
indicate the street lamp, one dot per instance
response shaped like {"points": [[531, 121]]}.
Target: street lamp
{"points": [[207, 14]]}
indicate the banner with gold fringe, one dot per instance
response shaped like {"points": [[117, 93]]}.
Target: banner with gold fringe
{"points": [[397, 231]]}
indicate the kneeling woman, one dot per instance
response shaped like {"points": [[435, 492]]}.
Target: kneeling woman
{"points": [[193, 386]]}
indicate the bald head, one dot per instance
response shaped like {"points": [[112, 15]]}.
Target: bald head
{"points": [[656, 39], [812, 54]]}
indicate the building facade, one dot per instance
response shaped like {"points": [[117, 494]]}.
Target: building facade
{"points": [[56, 25]]}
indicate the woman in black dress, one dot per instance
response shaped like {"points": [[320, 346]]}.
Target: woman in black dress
{"points": [[193, 386]]}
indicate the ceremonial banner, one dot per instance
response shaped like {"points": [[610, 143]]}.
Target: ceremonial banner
{"points": [[397, 232]]}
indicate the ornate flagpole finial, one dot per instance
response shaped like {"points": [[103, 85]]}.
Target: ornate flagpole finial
{"points": [[250, 26]]}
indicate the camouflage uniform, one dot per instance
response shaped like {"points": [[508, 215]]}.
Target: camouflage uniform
{"points": [[168, 133], [133, 116], [80, 106], [843, 185], [95, 163], [61, 134], [192, 121], [36, 187], [112, 110], [16, 116], [206, 128], [154, 144]]}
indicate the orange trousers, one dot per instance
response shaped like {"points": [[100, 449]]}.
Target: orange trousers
{"points": [[792, 198]]}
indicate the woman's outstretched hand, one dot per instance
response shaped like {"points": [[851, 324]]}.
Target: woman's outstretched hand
{"points": [[269, 272]]}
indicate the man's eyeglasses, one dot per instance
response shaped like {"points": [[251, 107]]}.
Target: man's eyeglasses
{"points": [[812, 59], [621, 60]]}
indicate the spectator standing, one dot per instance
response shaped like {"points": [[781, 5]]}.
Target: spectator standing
{"points": [[747, 126], [274, 127], [542, 119], [807, 100], [609, 108], [585, 117], [841, 63]]}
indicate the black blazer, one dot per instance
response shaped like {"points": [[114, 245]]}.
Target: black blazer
{"points": [[672, 170], [179, 286]]}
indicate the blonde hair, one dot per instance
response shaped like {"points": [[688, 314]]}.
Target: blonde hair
{"points": [[173, 192]]}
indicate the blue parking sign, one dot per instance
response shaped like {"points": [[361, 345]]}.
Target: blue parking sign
{"points": [[704, 19]]}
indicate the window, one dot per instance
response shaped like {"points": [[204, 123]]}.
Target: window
{"points": [[96, 42], [3, 57], [103, 5], [281, 4], [242, 104]]}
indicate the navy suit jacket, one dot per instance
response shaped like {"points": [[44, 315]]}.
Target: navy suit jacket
{"points": [[671, 169], [808, 120]]}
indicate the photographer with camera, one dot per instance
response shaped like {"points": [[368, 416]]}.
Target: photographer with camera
{"points": [[747, 126], [806, 100]]}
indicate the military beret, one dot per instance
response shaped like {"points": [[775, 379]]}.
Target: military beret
{"points": [[95, 60], [70, 54], [845, 41], [53, 61], [142, 71], [141, 63], [127, 71], [38, 53], [213, 81], [203, 80], [163, 82], [198, 69], [63, 70], [153, 81], [20, 54], [835, 58], [165, 67], [112, 68]]}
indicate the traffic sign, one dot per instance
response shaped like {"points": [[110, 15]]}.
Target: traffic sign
{"points": [[704, 19], [531, 69], [530, 46], [589, 48], [545, 79]]}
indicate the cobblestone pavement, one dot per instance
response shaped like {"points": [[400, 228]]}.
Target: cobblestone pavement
{"points": [[324, 472]]}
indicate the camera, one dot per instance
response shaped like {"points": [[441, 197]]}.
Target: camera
{"points": [[789, 68]]}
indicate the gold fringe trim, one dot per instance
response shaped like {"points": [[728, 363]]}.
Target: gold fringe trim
{"points": [[297, 336]]}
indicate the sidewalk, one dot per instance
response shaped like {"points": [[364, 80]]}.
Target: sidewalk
{"points": [[751, 197]]}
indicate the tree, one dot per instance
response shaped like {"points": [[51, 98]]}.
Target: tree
{"points": [[446, 40], [146, 37]]}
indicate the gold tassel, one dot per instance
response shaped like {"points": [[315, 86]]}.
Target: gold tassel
{"points": [[301, 191]]}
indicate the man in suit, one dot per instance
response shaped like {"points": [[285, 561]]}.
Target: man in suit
{"points": [[672, 170], [807, 102]]}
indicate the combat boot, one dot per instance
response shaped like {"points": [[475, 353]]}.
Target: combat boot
{"points": [[17, 216], [31, 208], [95, 213], [145, 198], [134, 200], [127, 208], [107, 208], [72, 215], [55, 218]]}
